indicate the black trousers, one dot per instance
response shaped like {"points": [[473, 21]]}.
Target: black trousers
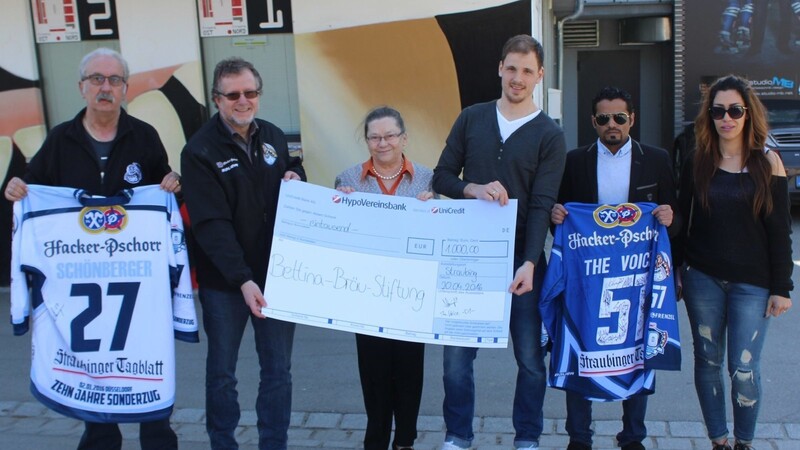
{"points": [[155, 435], [391, 381]]}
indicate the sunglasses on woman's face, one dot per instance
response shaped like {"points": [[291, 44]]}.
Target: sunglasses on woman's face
{"points": [[734, 112]]}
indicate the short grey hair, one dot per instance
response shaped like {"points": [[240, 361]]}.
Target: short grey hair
{"points": [[103, 51]]}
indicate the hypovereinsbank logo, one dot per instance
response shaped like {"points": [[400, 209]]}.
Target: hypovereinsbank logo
{"points": [[364, 203]]}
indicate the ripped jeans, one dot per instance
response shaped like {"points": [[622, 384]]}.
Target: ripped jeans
{"points": [[720, 313]]}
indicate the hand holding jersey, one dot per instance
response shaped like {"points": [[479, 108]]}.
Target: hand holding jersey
{"points": [[608, 302], [109, 287]]}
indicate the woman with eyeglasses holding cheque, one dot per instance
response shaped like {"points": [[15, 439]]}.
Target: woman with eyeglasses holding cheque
{"points": [[737, 253], [390, 370]]}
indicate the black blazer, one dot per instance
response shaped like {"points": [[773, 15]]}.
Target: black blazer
{"points": [[651, 178]]}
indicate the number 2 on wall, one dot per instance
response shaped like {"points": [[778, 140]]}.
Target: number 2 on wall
{"points": [[105, 15], [94, 293]]}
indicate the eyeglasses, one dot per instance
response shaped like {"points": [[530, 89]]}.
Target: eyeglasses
{"points": [[734, 112], [233, 96], [620, 118], [98, 80], [390, 139]]}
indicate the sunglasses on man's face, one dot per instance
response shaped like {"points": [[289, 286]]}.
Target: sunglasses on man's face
{"points": [[734, 112], [620, 118], [233, 96]]}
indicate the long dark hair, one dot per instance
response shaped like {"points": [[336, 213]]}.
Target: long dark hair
{"points": [[707, 157]]}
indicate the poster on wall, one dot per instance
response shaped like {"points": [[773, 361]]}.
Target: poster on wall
{"points": [[757, 39], [74, 20], [244, 17], [348, 64]]}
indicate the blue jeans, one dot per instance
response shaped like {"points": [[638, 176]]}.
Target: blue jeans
{"points": [[579, 419], [225, 316], [723, 312], [525, 328]]}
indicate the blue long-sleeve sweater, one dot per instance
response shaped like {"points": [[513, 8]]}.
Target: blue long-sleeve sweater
{"points": [[529, 164]]}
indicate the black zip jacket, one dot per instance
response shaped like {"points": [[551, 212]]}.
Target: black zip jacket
{"points": [[67, 159], [232, 201]]}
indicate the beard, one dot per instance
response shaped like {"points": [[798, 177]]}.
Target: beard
{"points": [[611, 141], [613, 138], [242, 121]]}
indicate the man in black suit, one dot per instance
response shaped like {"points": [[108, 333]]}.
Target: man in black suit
{"points": [[615, 169]]}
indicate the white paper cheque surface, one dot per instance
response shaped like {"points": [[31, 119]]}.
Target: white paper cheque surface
{"points": [[435, 272]]}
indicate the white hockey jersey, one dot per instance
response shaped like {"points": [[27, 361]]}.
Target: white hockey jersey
{"points": [[608, 302], [107, 282]]}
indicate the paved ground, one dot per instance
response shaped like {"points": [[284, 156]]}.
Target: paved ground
{"points": [[329, 410], [28, 425]]}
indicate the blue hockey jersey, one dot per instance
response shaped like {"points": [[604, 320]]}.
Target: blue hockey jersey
{"points": [[608, 302], [106, 282]]}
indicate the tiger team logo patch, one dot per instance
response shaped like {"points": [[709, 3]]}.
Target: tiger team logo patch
{"points": [[178, 240], [656, 341], [99, 219], [622, 215]]}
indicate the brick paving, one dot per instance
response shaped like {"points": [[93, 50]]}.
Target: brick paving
{"points": [[29, 425]]}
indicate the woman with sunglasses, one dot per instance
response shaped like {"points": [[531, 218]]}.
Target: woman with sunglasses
{"points": [[737, 253], [390, 370]]}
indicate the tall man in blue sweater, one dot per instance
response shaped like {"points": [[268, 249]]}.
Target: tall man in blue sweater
{"points": [[507, 148], [615, 169]]}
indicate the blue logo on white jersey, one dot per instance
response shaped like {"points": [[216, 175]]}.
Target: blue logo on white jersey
{"points": [[178, 240], [93, 220], [112, 219]]}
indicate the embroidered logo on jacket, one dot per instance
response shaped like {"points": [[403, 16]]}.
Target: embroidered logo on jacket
{"points": [[270, 155], [133, 173], [230, 164]]}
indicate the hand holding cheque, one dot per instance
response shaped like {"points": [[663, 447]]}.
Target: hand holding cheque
{"points": [[433, 272]]}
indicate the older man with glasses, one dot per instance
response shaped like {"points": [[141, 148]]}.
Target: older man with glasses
{"points": [[612, 170], [103, 150], [232, 170]]}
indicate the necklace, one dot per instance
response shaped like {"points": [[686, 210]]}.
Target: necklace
{"points": [[390, 177], [726, 156]]}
